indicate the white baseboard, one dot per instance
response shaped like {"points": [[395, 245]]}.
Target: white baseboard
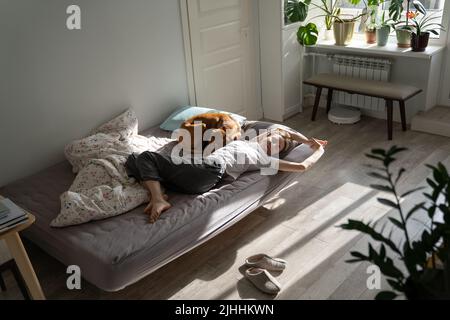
{"points": [[292, 111]]}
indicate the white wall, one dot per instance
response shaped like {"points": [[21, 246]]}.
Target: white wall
{"points": [[56, 85], [292, 67]]}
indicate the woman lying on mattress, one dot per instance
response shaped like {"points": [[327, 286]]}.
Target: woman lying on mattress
{"points": [[236, 158]]}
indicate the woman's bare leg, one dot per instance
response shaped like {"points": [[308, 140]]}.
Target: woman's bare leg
{"points": [[158, 202]]}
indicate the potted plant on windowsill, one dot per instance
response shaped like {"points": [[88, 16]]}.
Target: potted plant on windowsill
{"points": [[297, 11], [344, 26], [371, 16], [343, 29], [383, 31], [421, 29], [402, 23], [426, 257], [331, 10]]}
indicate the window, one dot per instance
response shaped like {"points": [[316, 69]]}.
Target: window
{"points": [[434, 7]]}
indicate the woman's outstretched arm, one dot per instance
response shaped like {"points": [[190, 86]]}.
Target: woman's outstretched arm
{"points": [[298, 137], [288, 166]]}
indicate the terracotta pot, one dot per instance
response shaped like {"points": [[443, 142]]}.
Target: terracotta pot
{"points": [[371, 36], [420, 42], [343, 32], [403, 38]]}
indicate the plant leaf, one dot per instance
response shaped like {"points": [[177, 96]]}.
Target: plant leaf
{"points": [[412, 191], [388, 203], [381, 188], [416, 208], [367, 229], [386, 295], [396, 285], [397, 223], [307, 35], [419, 7], [400, 174], [377, 175]]}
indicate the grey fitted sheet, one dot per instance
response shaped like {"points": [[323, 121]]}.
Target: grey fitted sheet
{"points": [[117, 252]]}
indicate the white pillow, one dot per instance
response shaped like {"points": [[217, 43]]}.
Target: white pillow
{"points": [[299, 154]]}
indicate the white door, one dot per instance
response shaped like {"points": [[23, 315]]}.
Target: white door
{"points": [[445, 81], [221, 46]]}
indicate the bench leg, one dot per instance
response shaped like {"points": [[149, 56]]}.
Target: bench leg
{"points": [[403, 114], [2, 283], [390, 118], [329, 100], [316, 103], [20, 281]]}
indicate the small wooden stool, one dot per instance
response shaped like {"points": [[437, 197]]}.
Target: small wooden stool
{"points": [[18, 252], [388, 91]]}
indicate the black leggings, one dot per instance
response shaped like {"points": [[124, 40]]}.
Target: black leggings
{"points": [[184, 178]]}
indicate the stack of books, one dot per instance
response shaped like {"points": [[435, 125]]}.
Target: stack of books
{"points": [[10, 215]]}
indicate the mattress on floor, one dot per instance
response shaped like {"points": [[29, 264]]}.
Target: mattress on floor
{"points": [[119, 251]]}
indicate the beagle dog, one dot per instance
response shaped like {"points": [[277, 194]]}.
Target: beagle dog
{"points": [[220, 123]]}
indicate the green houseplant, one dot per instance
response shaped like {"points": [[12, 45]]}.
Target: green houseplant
{"points": [[296, 10], [383, 31], [421, 27], [344, 28], [330, 11], [402, 25], [426, 258], [371, 15]]}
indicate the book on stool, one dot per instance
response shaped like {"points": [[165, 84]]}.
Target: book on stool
{"points": [[10, 215]]}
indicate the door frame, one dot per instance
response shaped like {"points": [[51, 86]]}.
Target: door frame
{"points": [[253, 27], [444, 96], [188, 52]]}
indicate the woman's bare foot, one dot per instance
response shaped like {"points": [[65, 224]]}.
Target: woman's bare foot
{"points": [[148, 209], [157, 208]]}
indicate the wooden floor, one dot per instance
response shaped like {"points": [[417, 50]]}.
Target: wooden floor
{"points": [[299, 225]]}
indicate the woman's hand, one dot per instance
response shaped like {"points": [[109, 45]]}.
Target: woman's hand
{"points": [[316, 144]]}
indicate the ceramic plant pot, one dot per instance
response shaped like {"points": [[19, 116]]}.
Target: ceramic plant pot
{"points": [[343, 32], [419, 42], [371, 36], [328, 35], [383, 35], [403, 38]]}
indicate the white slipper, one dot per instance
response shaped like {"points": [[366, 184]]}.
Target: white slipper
{"points": [[263, 280], [263, 261]]}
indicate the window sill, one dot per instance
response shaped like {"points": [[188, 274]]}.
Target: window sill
{"points": [[360, 46]]}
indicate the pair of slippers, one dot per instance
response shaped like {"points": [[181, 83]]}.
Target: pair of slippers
{"points": [[258, 272]]}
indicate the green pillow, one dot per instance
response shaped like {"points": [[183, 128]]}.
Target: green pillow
{"points": [[175, 120]]}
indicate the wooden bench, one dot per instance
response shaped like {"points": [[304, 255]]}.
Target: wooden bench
{"points": [[385, 90]]}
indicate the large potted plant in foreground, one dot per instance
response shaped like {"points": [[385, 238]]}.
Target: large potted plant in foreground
{"points": [[426, 259]]}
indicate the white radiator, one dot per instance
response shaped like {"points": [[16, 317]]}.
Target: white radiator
{"points": [[362, 68]]}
